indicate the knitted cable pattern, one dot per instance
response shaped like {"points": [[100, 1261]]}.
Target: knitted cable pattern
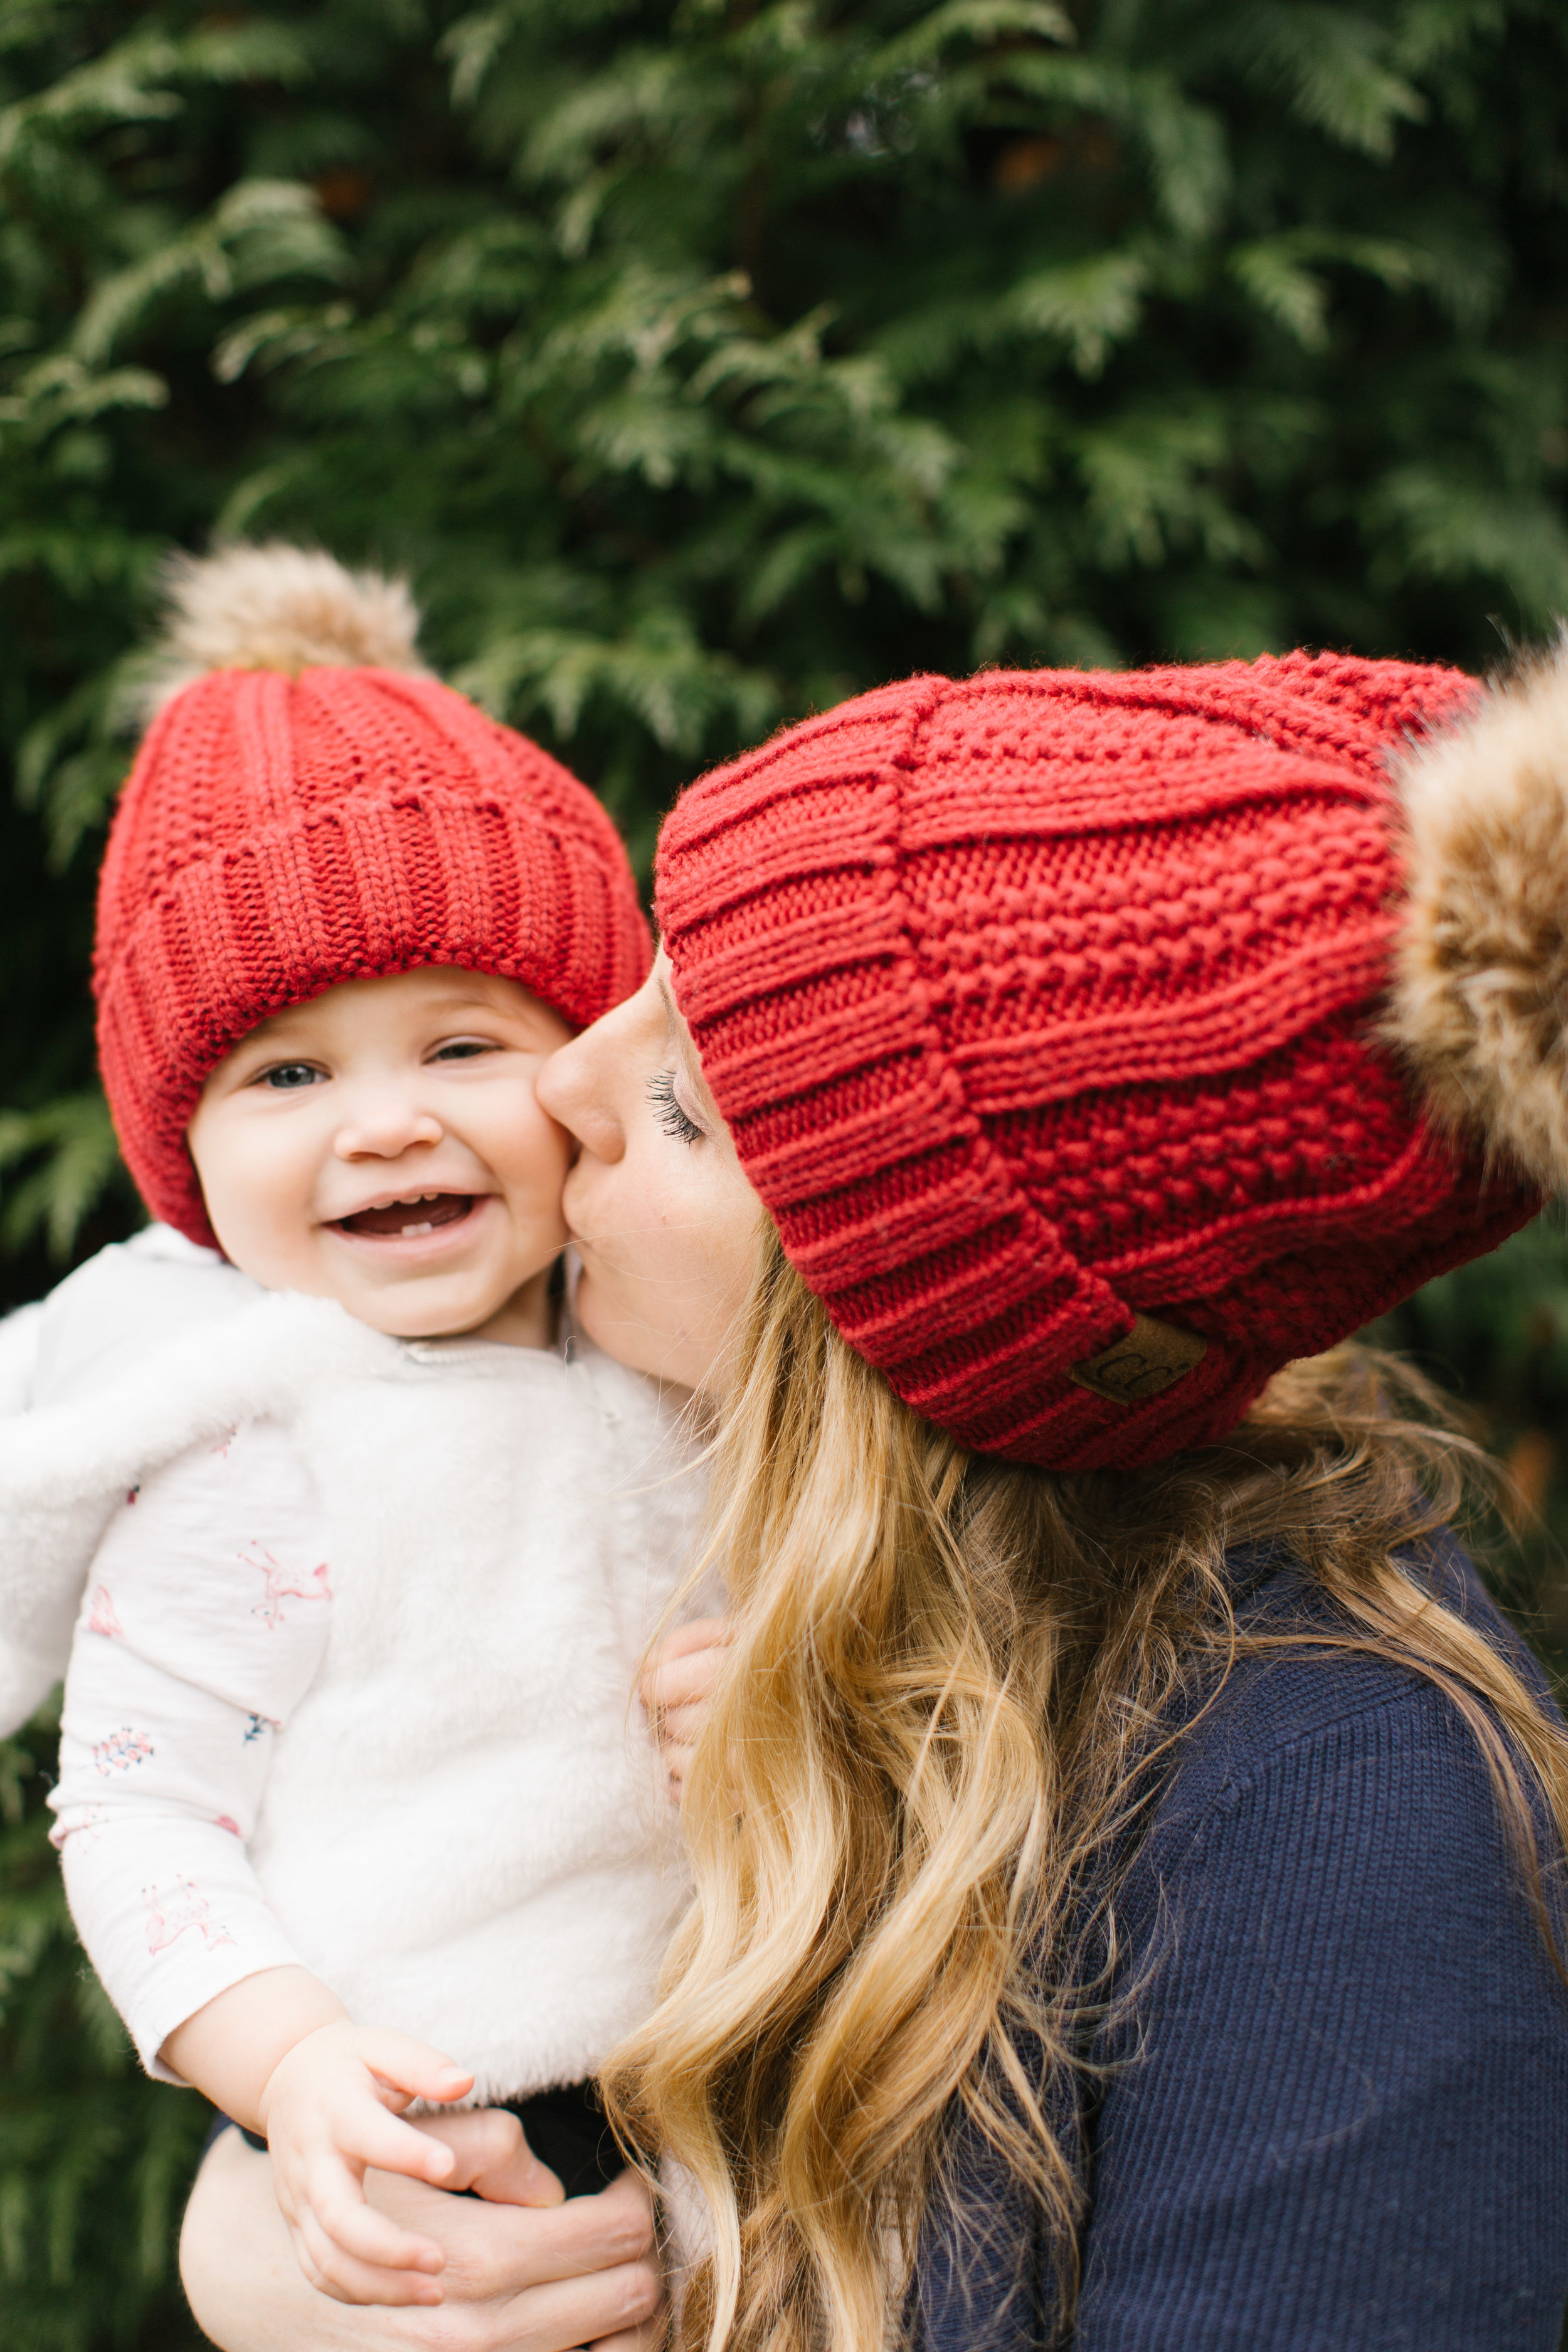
{"points": [[1043, 1001], [282, 833]]}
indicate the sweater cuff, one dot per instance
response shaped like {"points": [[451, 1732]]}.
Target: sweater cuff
{"points": [[182, 1994]]}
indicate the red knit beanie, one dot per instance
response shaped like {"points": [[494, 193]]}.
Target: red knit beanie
{"points": [[312, 806], [1049, 1012]]}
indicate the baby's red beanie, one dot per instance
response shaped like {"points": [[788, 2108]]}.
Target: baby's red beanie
{"points": [[311, 806], [1051, 1015]]}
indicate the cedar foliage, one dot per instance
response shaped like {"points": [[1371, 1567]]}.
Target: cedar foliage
{"points": [[703, 363]]}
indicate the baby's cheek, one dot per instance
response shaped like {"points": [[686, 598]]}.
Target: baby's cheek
{"points": [[541, 1167]]}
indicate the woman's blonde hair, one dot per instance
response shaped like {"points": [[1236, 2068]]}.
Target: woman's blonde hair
{"points": [[949, 1683]]}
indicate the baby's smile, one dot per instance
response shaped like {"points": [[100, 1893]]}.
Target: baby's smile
{"points": [[381, 1144], [410, 1217]]}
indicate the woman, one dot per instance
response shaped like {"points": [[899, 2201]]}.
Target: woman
{"points": [[1126, 1839]]}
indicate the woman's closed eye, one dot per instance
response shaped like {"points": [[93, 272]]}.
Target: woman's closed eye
{"points": [[668, 1111]]}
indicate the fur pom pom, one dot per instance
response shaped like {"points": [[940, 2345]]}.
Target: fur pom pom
{"points": [[275, 607], [1479, 1001]]}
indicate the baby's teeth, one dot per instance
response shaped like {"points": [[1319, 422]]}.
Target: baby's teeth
{"points": [[412, 1232]]}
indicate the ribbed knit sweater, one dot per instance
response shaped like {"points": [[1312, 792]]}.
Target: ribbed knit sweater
{"points": [[1336, 2114]]}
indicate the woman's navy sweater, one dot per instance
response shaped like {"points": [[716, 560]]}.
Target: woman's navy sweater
{"points": [[1334, 2115]]}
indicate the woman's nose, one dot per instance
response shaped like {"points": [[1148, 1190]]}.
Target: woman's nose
{"points": [[566, 1091]]}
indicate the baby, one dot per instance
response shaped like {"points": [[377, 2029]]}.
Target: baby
{"points": [[356, 1805]]}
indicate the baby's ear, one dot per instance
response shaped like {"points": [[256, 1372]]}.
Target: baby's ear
{"points": [[1478, 1008]]}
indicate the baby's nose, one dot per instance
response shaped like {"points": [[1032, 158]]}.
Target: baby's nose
{"points": [[382, 1128]]}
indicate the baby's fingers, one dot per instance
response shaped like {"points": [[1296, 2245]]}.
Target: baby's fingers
{"points": [[684, 1668], [373, 2137], [681, 1726], [413, 2067], [369, 2236], [323, 2201], [332, 2268], [697, 1633]]}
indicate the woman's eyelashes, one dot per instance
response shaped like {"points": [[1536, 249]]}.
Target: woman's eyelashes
{"points": [[667, 1110]]}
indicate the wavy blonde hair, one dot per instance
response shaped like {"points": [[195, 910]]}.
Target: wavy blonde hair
{"points": [[949, 1679]]}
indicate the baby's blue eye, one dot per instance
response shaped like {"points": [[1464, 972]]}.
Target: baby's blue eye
{"points": [[287, 1075]]}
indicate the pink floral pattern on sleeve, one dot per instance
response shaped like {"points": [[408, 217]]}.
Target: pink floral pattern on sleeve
{"points": [[204, 1620], [169, 1915], [121, 1750], [286, 1584], [103, 1619]]}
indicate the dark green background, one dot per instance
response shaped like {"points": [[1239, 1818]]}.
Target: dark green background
{"points": [[701, 364]]}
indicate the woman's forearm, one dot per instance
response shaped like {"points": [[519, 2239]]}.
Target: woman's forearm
{"points": [[240, 2273], [518, 2279]]}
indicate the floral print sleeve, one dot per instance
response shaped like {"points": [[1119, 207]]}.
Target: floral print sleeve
{"points": [[203, 1624]]}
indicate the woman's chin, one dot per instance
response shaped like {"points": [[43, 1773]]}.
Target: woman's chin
{"points": [[624, 1334], [598, 1320]]}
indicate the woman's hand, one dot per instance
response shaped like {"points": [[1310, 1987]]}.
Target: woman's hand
{"points": [[518, 2278], [676, 1684]]}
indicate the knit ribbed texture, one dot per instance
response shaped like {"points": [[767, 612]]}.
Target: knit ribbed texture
{"points": [[1041, 999], [1333, 2119], [279, 835]]}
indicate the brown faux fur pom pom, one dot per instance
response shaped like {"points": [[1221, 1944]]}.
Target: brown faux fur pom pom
{"points": [[1479, 1001], [275, 607]]}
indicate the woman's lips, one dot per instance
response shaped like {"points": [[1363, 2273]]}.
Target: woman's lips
{"points": [[408, 1220]]}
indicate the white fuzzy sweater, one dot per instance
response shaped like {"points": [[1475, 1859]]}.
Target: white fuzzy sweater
{"points": [[421, 1771]]}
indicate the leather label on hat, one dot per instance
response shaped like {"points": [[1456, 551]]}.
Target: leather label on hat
{"points": [[1142, 1363]]}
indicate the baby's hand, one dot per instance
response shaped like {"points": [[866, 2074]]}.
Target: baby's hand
{"points": [[676, 1684], [329, 2108]]}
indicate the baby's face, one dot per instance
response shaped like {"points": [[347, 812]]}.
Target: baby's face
{"points": [[382, 1146]]}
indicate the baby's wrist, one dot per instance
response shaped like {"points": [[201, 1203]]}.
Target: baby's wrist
{"points": [[231, 2050], [267, 2093]]}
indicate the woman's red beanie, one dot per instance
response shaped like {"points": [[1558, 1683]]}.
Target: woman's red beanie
{"points": [[1044, 1010], [312, 806]]}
